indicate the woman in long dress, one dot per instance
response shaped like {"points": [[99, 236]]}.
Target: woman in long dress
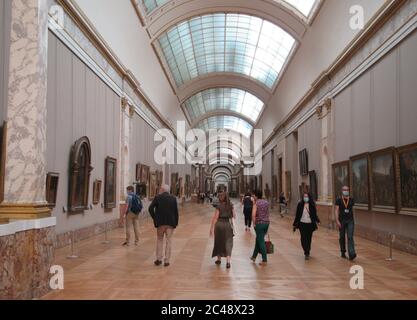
{"points": [[222, 230]]}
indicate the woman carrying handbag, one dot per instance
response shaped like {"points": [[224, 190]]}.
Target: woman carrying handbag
{"points": [[260, 218], [306, 221]]}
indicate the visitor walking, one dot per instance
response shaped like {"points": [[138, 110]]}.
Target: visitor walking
{"points": [[306, 221], [133, 208], [248, 202], [260, 219], [164, 212], [222, 230], [346, 223]]}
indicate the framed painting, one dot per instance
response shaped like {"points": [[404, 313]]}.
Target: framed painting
{"points": [[303, 161], [288, 185], [152, 186], [383, 183], [79, 175], [313, 185], [96, 191], [110, 183], [138, 172], [407, 179], [274, 187], [341, 177], [141, 190], [52, 180], [359, 179], [145, 174]]}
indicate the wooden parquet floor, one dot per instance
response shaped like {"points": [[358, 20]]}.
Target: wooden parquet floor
{"points": [[111, 271]]}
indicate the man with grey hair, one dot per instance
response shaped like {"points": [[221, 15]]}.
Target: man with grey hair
{"points": [[164, 212]]}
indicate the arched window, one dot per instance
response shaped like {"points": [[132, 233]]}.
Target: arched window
{"points": [[79, 178]]}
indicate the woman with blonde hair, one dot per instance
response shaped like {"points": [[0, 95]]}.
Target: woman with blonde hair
{"points": [[222, 229]]}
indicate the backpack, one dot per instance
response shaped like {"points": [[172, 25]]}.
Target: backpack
{"points": [[136, 204]]}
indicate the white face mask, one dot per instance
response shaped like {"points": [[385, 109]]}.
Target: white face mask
{"points": [[346, 193], [306, 200]]}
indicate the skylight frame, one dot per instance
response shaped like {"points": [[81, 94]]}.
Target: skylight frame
{"points": [[224, 99], [226, 122], [233, 43]]}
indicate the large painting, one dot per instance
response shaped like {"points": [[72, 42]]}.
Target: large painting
{"points": [[359, 178], [153, 185], [79, 175], [340, 177], [407, 182], [52, 180], [383, 179], [313, 185], [303, 159], [110, 183]]}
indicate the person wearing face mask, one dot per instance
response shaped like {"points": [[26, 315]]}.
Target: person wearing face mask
{"points": [[345, 223], [306, 221]]}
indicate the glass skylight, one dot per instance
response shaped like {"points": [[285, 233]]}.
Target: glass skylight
{"points": [[151, 5], [220, 42], [304, 6], [228, 123], [231, 99]]}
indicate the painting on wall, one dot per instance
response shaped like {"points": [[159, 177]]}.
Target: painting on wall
{"points": [[79, 175], [138, 172], [52, 180], [274, 187], [313, 185], [383, 179], [153, 186], [145, 174], [359, 179], [407, 182], [303, 161], [110, 183], [340, 178], [96, 191], [141, 190], [288, 185]]}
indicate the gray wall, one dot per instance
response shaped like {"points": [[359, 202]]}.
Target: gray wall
{"points": [[142, 146], [291, 164], [309, 136], [79, 104], [379, 110]]}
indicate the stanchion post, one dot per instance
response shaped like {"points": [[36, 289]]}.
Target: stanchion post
{"points": [[106, 240], [391, 245], [72, 241]]}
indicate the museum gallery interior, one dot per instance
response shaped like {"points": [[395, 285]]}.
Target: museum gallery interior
{"points": [[312, 96]]}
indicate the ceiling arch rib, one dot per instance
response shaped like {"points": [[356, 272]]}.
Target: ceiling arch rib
{"points": [[170, 13], [229, 101], [224, 80], [227, 122], [232, 42]]}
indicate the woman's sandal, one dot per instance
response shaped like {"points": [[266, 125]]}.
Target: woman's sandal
{"points": [[218, 262], [228, 265], [253, 259]]}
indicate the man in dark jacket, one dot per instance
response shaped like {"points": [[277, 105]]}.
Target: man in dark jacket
{"points": [[164, 212]]}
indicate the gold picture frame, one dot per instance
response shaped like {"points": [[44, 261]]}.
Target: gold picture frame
{"points": [[96, 191], [52, 182], [110, 181], [406, 180], [383, 180], [360, 180]]}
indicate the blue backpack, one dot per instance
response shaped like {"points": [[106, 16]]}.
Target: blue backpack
{"points": [[136, 204]]}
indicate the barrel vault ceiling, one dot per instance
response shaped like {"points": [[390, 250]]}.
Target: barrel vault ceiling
{"points": [[224, 58]]}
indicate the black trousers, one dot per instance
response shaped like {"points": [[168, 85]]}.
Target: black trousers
{"points": [[248, 217], [306, 231]]}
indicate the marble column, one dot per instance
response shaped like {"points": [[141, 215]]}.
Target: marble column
{"points": [[324, 114], [25, 143], [126, 128]]}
